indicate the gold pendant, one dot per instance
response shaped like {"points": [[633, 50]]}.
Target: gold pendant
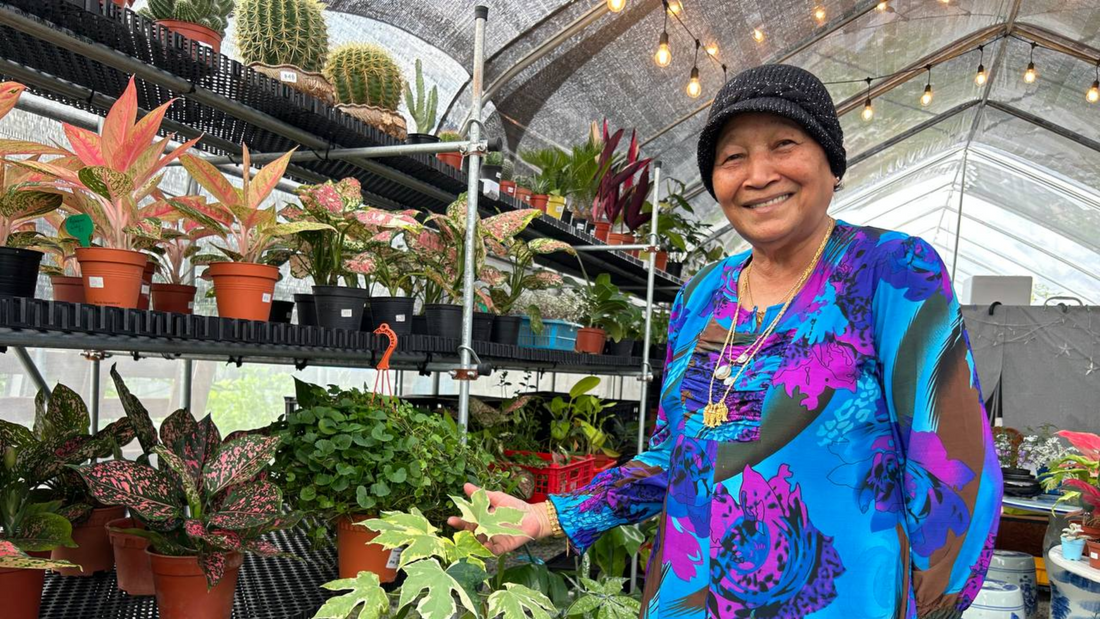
{"points": [[715, 414]]}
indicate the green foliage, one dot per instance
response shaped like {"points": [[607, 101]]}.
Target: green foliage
{"points": [[421, 108], [278, 32], [246, 398], [365, 74], [576, 424], [611, 553], [489, 523], [450, 136], [603, 303], [519, 602], [603, 601], [214, 14]]}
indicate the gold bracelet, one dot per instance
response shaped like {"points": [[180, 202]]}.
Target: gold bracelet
{"points": [[552, 517]]}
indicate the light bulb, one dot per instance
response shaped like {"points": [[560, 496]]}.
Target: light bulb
{"points": [[616, 6], [882, 6], [712, 49], [663, 57], [1031, 74], [946, 1], [981, 76], [758, 34], [694, 87], [1093, 95], [868, 112], [675, 7], [926, 98], [819, 14]]}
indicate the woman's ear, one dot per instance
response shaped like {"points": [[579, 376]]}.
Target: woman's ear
{"points": [[837, 184]]}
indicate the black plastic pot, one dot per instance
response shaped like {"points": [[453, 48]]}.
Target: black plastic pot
{"points": [[622, 348], [339, 307], [506, 329], [444, 320], [483, 326], [491, 172], [674, 268], [420, 325], [307, 311], [397, 312], [281, 311], [421, 138], [18, 271]]}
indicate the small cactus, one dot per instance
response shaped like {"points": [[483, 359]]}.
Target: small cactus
{"points": [[507, 170], [450, 136], [214, 14], [421, 108], [283, 32], [365, 74]]}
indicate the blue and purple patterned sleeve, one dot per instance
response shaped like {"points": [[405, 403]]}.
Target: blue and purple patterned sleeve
{"points": [[634, 491], [950, 473]]}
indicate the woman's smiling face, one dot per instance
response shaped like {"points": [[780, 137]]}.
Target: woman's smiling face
{"points": [[771, 179]]}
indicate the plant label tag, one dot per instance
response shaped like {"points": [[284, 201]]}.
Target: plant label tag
{"points": [[144, 289], [190, 305], [1093, 555], [345, 313], [267, 297], [395, 559], [399, 318], [95, 282], [290, 77]]}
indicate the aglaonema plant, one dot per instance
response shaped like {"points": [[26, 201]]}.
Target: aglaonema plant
{"points": [[205, 498]]}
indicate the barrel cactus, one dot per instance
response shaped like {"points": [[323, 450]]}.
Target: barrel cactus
{"points": [[283, 32], [507, 170], [365, 74], [214, 14]]}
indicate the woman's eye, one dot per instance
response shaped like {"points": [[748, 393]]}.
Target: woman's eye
{"points": [[783, 143], [734, 157]]}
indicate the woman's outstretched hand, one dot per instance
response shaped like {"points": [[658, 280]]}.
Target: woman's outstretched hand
{"points": [[535, 523]]}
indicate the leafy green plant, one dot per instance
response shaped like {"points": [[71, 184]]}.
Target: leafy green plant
{"points": [[282, 32], [553, 176], [606, 600], [523, 275], [450, 136], [213, 14], [29, 521], [611, 553], [603, 302], [511, 426], [421, 108], [365, 74], [576, 424]]}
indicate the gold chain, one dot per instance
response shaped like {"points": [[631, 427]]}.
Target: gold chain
{"points": [[716, 413]]}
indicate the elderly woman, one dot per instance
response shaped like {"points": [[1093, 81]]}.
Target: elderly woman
{"points": [[821, 446]]}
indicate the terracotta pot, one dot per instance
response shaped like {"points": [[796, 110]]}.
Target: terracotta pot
{"points": [[620, 238], [146, 285], [69, 289], [452, 159], [602, 230], [1093, 551], [555, 206], [508, 188], [538, 201], [124, 2], [1090, 531], [93, 552], [132, 567], [309, 82], [523, 195], [243, 289], [176, 298], [195, 32], [591, 340], [112, 277], [356, 553], [21, 592], [181, 587]]}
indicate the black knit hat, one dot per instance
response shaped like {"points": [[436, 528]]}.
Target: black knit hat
{"points": [[780, 89]]}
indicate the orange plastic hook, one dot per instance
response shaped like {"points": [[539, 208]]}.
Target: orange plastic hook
{"points": [[382, 377]]}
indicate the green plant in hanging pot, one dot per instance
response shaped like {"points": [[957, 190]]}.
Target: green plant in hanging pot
{"points": [[203, 21], [422, 108], [603, 304], [368, 85], [253, 239], [286, 40]]}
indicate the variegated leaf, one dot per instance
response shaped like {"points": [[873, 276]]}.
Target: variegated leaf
{"points": [[261, 185], [249, 505], [14, 435], [85, 145], [518, 602], [136, 413], [13, 558], [428, 577], [294, 227], [410, 531], [213, 566], [146, 491], [9, 96], [31, 204], [217, 539], [549, 246], [365, 590], [120, 119], [188, 483], [377, 219], [363, 264], [504, 226], [24, 147], [107, 183], [238, 461], [65, 413], [211, 179], [44, 531]]}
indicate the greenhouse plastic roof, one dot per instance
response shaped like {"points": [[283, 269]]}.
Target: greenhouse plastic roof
{"points": [[1030, 195]]}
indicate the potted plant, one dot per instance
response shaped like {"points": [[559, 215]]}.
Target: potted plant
{"points": [[112, 179], [631, 326], [422, 109], [368, 86], [617, 188], [576, 425], [179, 243], [347, 454], [602, 303], [387, 261], [286, 40], [62, 267], [1073, 542], [507, 178], [520, 277], [255, 239], [1076, 474], [322, 253], [523, 189], [549, 318], [452, 159], [206, 502], [202, 21]]}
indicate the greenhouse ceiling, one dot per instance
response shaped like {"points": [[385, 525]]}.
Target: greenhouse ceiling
{"points": [[1020, 159]]}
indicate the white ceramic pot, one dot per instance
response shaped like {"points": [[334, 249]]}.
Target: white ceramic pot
{"points": [[1016, 568], [997, 600], [1074, 586]]}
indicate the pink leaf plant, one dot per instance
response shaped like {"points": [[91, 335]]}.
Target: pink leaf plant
{"points": [[618, 196], [1078, 471]]}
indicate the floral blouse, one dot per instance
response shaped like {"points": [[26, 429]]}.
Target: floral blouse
{"points": [[855, 474]]}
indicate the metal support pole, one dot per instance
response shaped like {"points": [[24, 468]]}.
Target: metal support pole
{"points": [[185, 388], [646, 369], [481, 13], [31, 369], [95, 394], [366, 152]]}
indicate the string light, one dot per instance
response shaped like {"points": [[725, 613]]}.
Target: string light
{"points": [[663, 57], [694, 87], [981, 77], [758, 35], [1093, 95], [712, 49], [868, 110], [926, 98], [616, 6], [1031, 74], [882, 6], [674, 7], [819, 14]]}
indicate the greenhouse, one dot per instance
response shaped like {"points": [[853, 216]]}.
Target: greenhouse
{"points": [[341, 308]]}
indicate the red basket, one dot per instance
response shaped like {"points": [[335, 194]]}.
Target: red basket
{"points": [[556, 478], [601, 463]]}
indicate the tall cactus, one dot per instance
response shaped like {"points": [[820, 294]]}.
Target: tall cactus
{"points": [[507, 170], [422, 108], [365, 74], [278, 32], [214, 14]]}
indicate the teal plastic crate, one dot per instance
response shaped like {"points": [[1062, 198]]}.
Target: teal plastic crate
{"points": [[556, 335]]}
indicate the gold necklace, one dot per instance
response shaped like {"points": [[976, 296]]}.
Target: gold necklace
{"points": [[716, 413]]}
